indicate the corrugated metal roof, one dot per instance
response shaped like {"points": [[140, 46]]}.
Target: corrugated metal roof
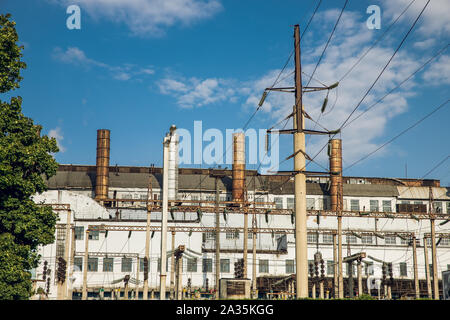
{"points": [[188, 182], [442, 193]]}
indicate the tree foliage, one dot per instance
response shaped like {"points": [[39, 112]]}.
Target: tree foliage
{"points": [[25, 160]]}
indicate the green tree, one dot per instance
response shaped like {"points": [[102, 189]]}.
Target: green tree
{"points": [[25, 160]]}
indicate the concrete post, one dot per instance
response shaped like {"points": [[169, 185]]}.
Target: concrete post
{"points": [[416, 277], [85, 265], [427, 268]]}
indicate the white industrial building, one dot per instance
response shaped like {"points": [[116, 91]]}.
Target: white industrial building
{"points": [[114, 254]]}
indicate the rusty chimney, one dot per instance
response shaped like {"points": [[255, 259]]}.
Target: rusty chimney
{"points": [[102, 163], [336, 190], [238, 166]]}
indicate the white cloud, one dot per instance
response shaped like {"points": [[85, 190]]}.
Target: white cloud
{"points": [[439, 72], [424, 44], [197, 93], [76, 56], [57, 134], [149, 17], [434, 20], [351, 39]]}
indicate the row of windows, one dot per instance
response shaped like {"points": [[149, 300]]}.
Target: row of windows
{"points": [[374, 205], [207, 266], [365, 239]]}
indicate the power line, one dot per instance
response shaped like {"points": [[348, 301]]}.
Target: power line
{"points": [[328, 42], [387, 64], [398, 135], [400, 84], [376, 41], [378, 77]]}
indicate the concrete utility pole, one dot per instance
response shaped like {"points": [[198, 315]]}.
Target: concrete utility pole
{"points": [[85, 266], [433, 247], [360, 286], [301, 245], [162, 283], [217, 240], [172, 268], [70, 265], [335, 269], [136, 296], [147, 241], [147, 256], [416, 277], [254, 226], [427, 268], [66, 252], [245, 240]]}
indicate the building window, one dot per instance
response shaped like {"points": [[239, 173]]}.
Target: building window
{"points": [[263, 266], [93, 234], [108, 264], [310, 204], [141, 264], [327, 238], [159, 264], [366, 239], [418, 202], [78, 262], [278, 202], [290, 266], [448, 207], [437, 207], [351, 239], [445, 242], [126, 264], [312, 237], [290, 203], [404, 241], [353, 269], [403, 269], [330, 267], [207, 265], [92, 264], [210, 235], [387, 206], [192, 265], [225, 265], [79, 233], [390, 240], [369, 269], [354, 205], [374, 206], [232, 235]]}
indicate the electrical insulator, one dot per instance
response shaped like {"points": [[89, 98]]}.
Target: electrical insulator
{"points": [[145, 268], [322, 268], [207, 284], [311, 270], [189, 283], [391, 275], [44, 272], [384, 272], [316, 268]]}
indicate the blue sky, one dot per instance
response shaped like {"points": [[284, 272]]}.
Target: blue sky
{"points": [[137, 66]]}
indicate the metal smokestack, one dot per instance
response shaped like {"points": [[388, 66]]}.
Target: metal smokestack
{"points": [[238, 166], [173, 165], [336, 190], [102, 163]]}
